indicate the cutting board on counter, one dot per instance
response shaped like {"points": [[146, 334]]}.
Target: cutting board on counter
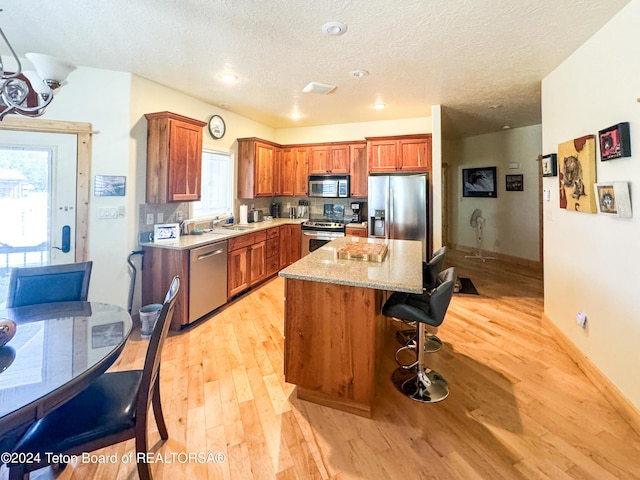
{"points": [[368, 252]]}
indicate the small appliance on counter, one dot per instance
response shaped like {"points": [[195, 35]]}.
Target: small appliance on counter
{"points": [[356, 216], [303, 208], [275, 210]]}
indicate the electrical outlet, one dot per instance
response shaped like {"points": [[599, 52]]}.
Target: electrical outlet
{"points": [[149, 218], [160, 217], [179, 216]]}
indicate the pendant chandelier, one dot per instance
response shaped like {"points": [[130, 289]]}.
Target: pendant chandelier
{"points": [[29, 93]]}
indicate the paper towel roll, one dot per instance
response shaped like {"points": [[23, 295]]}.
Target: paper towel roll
{"points": [[243, 214]]}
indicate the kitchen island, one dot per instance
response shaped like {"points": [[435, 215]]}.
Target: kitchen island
{"points": [[333, 319]]}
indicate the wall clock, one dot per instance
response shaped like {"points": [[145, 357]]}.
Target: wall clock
{"points": [[217, 127]]}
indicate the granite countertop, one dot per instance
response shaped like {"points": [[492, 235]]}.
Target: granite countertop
{"points": [[401, 271], [187, 242]]}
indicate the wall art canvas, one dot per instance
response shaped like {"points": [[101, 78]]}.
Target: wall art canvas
{"points": [[615, 142], [577, 174], [550, 165]]}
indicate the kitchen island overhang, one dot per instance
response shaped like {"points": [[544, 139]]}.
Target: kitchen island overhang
{"points": [[333, 319]]}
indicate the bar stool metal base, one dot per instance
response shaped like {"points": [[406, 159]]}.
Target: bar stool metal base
{"points": [[425, 385], [408, 336]]}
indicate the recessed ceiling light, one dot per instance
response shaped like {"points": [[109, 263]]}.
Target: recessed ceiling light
{"points": [[506, 127], [334, 28], [495, 106], [359, 73], [228, 77], [379, 105], [295, 116]]}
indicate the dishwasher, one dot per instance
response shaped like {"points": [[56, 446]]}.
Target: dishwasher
{"points": [[207, 279]]}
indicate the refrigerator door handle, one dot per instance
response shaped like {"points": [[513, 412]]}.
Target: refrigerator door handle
{"points": [[392, 233]]}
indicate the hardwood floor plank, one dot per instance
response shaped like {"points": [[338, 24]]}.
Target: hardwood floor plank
{"points": [[519, 407]]}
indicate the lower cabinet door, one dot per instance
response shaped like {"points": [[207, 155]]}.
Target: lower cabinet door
{"points": [[238, 271], [257, 262]]}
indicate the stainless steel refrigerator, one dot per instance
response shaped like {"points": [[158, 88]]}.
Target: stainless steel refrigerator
{"points": [[399, 208]]}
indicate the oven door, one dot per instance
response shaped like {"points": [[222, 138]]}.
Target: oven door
{"points": [[313, 240]]}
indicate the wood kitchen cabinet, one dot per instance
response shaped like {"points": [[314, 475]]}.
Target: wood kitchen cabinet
{"points": [[273, 251], [174, 158], [406, 153], [355, 232], [160, 266], [287, 172], [358, 167], [325, 159], [247, 263], [258, 174], [301, 162], [290, 244]]}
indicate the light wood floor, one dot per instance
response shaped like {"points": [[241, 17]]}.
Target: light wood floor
{"points": [[518, 409]]}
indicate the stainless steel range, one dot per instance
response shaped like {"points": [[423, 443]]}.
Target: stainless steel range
{"points": [[316, 233]]}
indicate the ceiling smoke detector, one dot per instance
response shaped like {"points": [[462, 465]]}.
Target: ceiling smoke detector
{"points": [[334, 28], [317, 87]]}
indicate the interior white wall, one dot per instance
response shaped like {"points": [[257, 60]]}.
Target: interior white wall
{"points": [[353, 131], [591, 261], [512, 219], [436, 177], [101, 97]]}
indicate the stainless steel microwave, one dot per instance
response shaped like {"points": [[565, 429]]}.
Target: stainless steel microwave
{"points": [[329, 186]]}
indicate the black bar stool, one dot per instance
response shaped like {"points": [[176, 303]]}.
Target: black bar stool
{"points": [[419, 382], [430, 280]]}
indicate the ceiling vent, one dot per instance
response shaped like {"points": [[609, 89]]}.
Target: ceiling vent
{"points": [[317, 87]]}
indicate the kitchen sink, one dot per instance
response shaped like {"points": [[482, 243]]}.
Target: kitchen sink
{"points": [[237, 227]]}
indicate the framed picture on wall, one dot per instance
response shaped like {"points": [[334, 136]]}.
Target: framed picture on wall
{"points": [[550, 165], [109, 186], [615, 142], [479, 182], [515, 183]]}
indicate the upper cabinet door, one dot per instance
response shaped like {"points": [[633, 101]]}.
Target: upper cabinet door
{"points": [[415, 155], [264, 185], [402, 153], [174, 158], [358, 169], [301, 156], [382, 155], [339, 159], [185, 164], [287, 172], [319, 160]]}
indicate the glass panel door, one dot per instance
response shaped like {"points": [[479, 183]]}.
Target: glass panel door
{"points": [[37, 198]]}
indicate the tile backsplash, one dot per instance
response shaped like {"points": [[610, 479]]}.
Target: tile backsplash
{"points": [[177, 212]]}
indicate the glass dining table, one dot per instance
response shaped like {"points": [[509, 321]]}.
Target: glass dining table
{"points": [[57, 351]]}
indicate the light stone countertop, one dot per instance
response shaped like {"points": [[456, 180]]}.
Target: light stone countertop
{"points": [[219, 234], [401, 271]]}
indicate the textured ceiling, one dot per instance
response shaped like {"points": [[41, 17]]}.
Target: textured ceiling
{"points": [[467, 55]]}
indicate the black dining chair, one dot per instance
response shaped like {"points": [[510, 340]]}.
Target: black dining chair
{"points": [[111, 410], [50, 283]]}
